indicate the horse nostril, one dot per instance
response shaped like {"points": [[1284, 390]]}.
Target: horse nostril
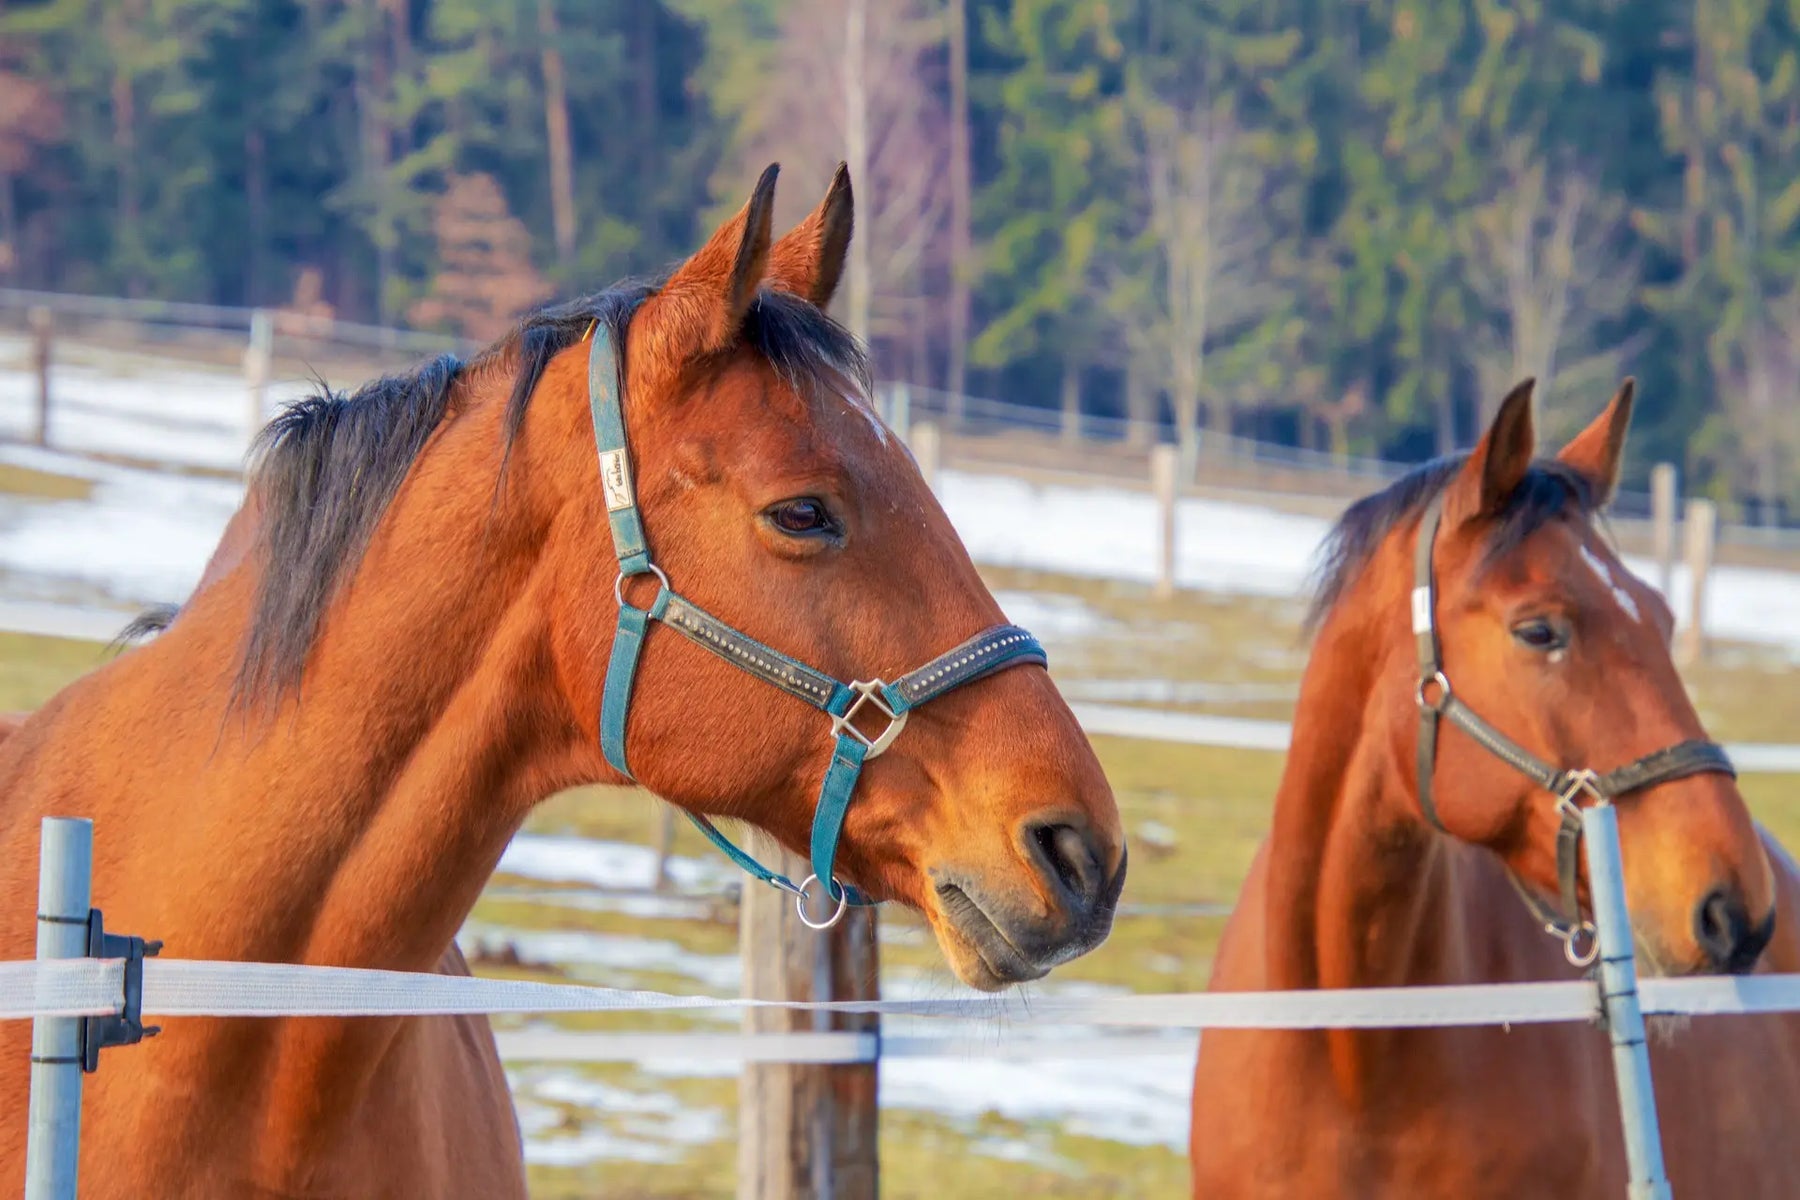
{"points": [[1723, 929], [1066, 856]]}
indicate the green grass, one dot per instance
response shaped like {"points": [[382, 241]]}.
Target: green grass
{"points": [[42, 485], [33, 669]]}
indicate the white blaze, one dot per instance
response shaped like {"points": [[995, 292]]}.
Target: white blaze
{"points": [[1619, 594]]}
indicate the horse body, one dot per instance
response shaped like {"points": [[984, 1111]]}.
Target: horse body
{"points": [[400, 647], [1482, 1111], [1355, 888], [309, 846]]}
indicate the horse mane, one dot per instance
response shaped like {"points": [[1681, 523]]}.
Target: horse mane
{"points": [[329, 466], [1549, 490]]}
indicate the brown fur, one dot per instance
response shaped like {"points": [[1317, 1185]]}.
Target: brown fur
{"points": [[1353, 889], [455, 681]]}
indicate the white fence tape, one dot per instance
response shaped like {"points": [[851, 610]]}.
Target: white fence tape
{"points": [[183, 988], [550, 1045], [178, 988]]}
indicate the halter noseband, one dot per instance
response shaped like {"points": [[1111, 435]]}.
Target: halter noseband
{"points": [[1568, 786], [991, 650]]}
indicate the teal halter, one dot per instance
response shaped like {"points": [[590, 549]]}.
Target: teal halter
{"points": [[991, 650]]}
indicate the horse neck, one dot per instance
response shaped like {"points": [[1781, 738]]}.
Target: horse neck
{"points": [[365, 814], [1357, 885]]}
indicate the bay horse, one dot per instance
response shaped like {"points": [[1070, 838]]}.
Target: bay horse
{"points": [[402, 646], [1369, 879]]}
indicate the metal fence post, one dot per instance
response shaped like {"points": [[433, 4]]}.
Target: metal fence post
{"points": [[53, 1144], [1624, 1017]]}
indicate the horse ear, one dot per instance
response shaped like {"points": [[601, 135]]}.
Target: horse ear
{"points": [[704, 302], [1499, 462], [809, 259], [1596, 451]]}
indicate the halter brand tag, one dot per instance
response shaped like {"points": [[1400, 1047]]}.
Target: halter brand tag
{"points": [[615, 479], [1421, 608]]}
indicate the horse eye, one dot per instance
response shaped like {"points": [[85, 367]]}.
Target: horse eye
{"points": [[801, 517], [1539, 635]]}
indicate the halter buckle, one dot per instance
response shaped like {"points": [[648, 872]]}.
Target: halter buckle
{"points": [[1574, 784], [869, 692], [843, 904]]}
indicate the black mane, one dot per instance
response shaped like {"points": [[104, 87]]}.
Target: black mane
{"points": [[1548, 490], [328, 467]]}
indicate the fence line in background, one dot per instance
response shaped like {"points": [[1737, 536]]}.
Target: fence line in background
{"points": [[905, 403], [226, 319]]}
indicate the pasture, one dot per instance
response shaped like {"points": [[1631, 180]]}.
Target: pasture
{"points": [[949, 1129]]}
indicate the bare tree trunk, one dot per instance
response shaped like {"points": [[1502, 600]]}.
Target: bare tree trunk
{"points": [[1187, 428], [556, 129], [1445, 411], [256, 204], [960, 210], [1071, 400], [648, 104], [856, 144], [124, 114], [9, 227], [371, 93], [1140, 411]]}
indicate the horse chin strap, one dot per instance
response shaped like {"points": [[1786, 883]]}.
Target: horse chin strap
{"points": [[1571, 787], [989, 651]]}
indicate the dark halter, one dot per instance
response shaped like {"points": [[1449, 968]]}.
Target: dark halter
{"points": [[991, 650], [1436, 700]]}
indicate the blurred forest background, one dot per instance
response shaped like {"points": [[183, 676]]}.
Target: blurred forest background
{"points": [[1340, 224]]}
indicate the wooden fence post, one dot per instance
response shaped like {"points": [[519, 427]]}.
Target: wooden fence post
{"points": [[42, 325], [899, 405], [1162, 484], [1702, 523], [926, 451], [258, 357], [1662, 523], [806, 1131], [665, 840]]}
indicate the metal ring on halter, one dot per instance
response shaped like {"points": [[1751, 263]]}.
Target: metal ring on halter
{"points": [[1582, 932], [619, 582], [1443, 684], [843, 904]]}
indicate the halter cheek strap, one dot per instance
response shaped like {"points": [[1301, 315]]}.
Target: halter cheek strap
{"points": [[1437, 701], [992, 650]]}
